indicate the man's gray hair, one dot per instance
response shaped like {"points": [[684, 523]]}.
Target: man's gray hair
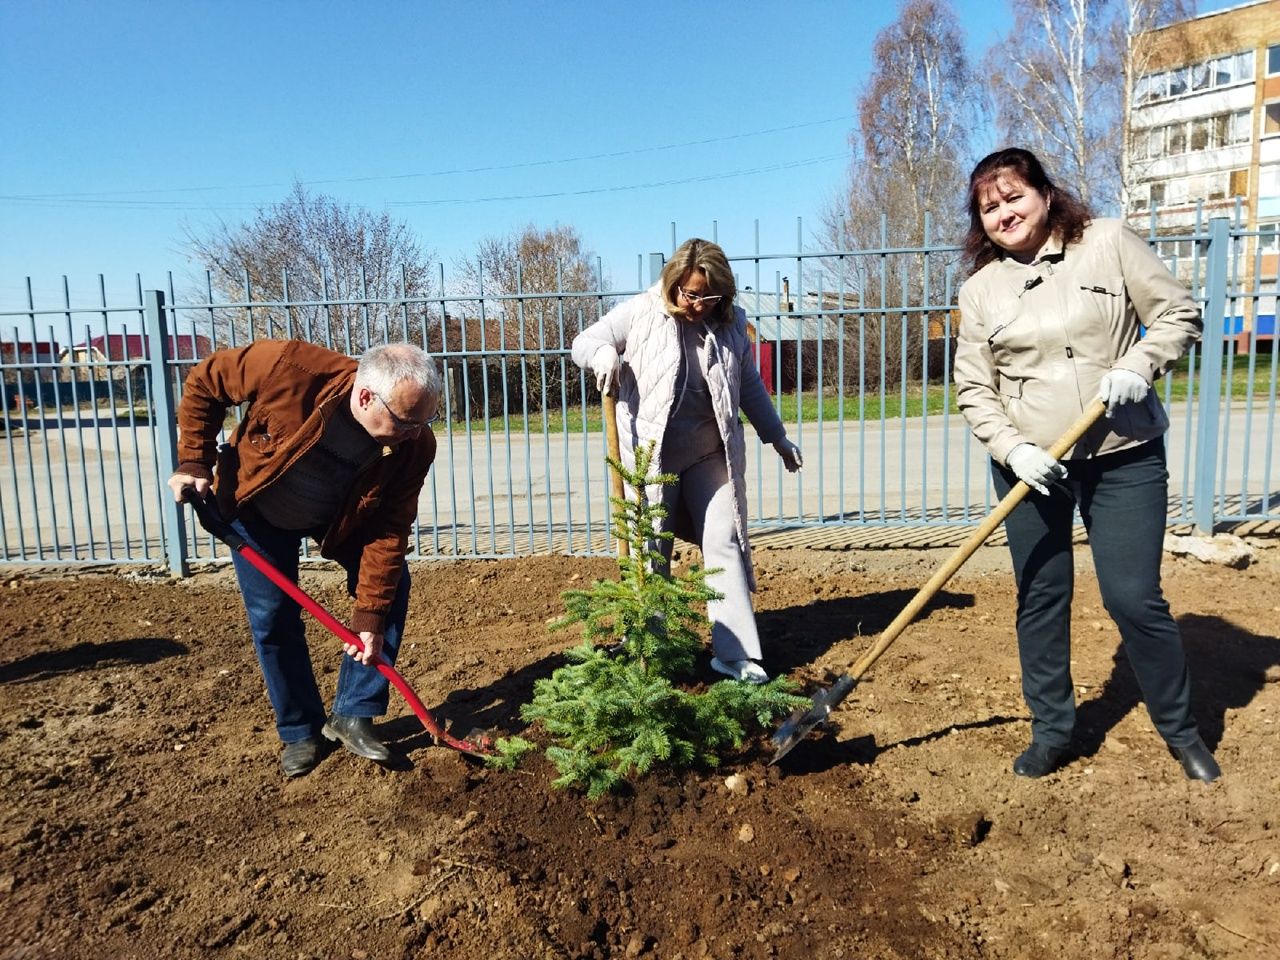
{"points": [[384, 366]]}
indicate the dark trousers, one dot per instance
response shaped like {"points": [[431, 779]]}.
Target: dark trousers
{"points": [[1122, 498], [279, 639]]}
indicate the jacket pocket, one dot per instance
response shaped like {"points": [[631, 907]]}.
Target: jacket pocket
{"points": [[1103, 297], [1010, 387], [259, 437]]}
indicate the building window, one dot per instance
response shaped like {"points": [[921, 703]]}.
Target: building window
{"points": [[1269, 238], [1273, 59], [1266, 304], [1269, 180], [1174, 249], [1202, 133], [1271, 119], [1197, 77], [1184, 191], [1243, 132], [1221, 135]]}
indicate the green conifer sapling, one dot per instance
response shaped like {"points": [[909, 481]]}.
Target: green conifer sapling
{"points": [[614, 711]]}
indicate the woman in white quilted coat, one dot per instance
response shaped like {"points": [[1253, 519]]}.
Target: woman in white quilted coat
{"points": [[682, 366]]}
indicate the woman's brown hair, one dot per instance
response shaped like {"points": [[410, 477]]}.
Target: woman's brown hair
{"points": [[1067, 215], [706, 256]]}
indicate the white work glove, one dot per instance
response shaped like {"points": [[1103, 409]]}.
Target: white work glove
{"points": [[605, 365], [1121, 386], [1034, 467], [790, 455]]}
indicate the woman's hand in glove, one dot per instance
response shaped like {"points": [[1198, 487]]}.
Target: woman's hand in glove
{"points": [[1034, 467], [605, 365], [790, 454], [1121, 386]]}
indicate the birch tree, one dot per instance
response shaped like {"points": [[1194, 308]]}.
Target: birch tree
{"points": [[1059, 83], [911, 155]]}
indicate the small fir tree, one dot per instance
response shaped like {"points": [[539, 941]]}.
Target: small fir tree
{"points": [[614, 711]]}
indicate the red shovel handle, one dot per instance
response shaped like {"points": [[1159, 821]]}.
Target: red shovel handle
{"points": [[211, 520]]}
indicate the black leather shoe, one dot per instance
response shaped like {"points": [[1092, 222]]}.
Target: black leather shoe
{"points": [[300, 757], [1197, 762], [1037, 760], [356, 734]]}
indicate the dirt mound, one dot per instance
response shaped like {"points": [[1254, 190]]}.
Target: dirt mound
{"points": [[145, 815]]}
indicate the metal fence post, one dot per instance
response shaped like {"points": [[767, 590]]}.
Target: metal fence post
{"points": [[1211, 354], [164, 427], [656, 262]]}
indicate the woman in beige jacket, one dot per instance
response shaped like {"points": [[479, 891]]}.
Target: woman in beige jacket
{"points": [[1053, 317]]}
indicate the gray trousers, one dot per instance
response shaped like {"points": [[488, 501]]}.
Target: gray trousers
{"points": [[1122, 499], [705, 491]]}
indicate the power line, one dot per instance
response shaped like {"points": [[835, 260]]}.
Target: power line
{"points": [[183, 206], [633, 186], [492, 168]]}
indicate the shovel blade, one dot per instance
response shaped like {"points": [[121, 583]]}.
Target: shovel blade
{"points": [[481, 740], [798, 725]]}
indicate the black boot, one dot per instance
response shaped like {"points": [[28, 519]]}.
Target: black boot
{"points": [[1197, 761], [356, 734], [300, 757], [1037, 760]]}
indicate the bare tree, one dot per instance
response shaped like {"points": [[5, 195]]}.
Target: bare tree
{"points": [[313, 268], [1063, 94], [525, 296], [912, 151]]}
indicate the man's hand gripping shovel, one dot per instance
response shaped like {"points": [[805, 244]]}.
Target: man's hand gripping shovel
{"points": [[207, 512], [824, 701]]}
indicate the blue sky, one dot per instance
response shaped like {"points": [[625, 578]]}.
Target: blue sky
{"points": [[127, 123]]}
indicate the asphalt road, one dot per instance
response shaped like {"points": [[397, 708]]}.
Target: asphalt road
{"points": [[92, 492]]}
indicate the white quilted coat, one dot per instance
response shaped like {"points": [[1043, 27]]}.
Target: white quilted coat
{"points": [[647, 339]]}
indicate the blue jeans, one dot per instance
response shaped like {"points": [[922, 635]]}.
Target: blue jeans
{"points": [[1123, 501], [279, 639]]}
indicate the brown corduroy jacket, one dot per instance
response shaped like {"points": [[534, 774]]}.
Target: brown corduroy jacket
{"points": [[291, 389]]}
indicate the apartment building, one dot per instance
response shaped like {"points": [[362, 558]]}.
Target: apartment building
{"points": [[1204, 131]]}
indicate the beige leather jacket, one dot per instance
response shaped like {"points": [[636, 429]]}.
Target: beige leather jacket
{"points": [[1036, 340]]}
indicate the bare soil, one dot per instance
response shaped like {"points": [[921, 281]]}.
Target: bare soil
{"points": [[145, 814]]}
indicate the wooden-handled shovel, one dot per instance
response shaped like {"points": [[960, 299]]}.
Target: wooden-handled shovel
{"points": [[824, 701], [608, 409]]}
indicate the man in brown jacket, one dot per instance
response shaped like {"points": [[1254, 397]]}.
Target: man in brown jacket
{"points": [[331, 449]]}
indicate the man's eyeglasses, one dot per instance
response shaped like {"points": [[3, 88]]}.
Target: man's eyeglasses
{"points": [[408, 426], [694, 300]]}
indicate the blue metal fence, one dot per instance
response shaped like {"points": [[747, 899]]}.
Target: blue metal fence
{"points": [[856, 346]]}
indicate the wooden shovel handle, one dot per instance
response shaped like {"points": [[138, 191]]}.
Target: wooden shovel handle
{"points": [[608, 409], [966, 549]]}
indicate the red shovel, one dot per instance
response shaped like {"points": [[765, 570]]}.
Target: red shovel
{"points": [[211, 520]]}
